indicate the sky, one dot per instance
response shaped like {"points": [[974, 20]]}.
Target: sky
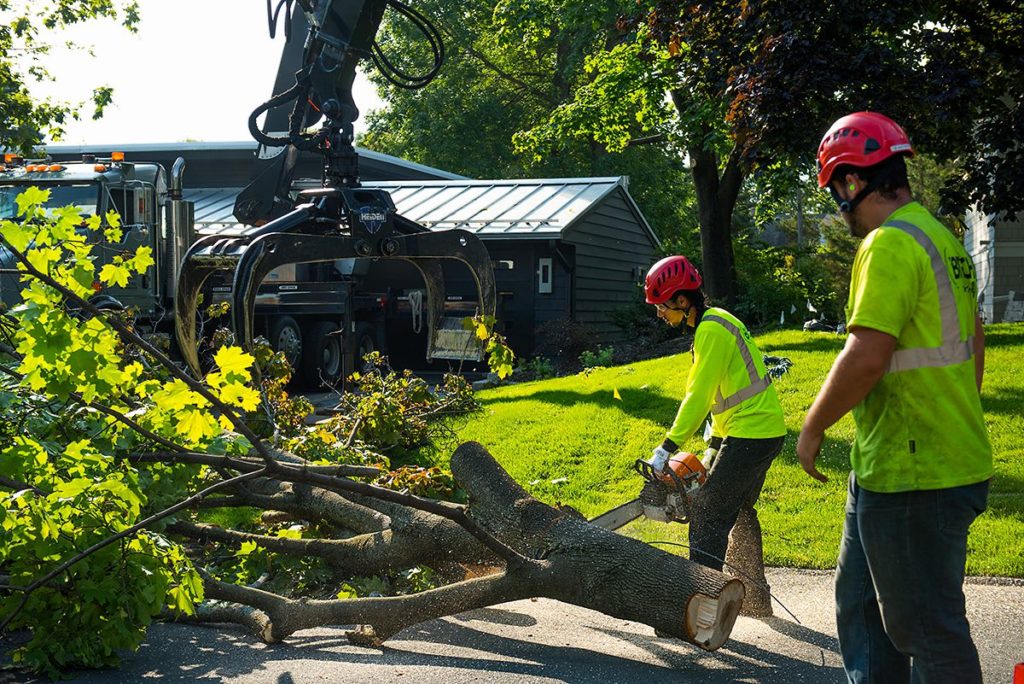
{"points": [[194, 71]]}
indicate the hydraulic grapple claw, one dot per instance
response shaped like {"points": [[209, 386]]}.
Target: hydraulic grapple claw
{"points": [[338, 223]]}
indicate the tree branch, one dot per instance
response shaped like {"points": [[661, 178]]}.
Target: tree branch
{"points": [[365, 554], [255, 620], [17, 485], [128, 335], [647, 140], [117, 415], [247, 465], [385, 616], [299, 473], [121, 535]]}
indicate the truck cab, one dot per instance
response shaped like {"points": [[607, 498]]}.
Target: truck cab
{"points": [[314, 313], [95, 186]]}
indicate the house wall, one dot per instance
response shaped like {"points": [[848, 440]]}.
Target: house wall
{"points": [[613, 253], [997, 247]]}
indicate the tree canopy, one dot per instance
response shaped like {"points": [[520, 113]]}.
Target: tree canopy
{"points": [[507, 68], [28, 34], [753, 86], [738, 90]]}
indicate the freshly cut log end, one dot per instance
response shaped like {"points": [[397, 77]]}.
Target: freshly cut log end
{"points": [[709, 620]]}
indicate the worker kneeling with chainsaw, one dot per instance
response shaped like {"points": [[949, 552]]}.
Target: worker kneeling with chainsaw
{"points": [[729, 379]]}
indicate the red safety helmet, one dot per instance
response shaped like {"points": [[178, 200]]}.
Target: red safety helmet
{"points": [[667, 277], [860, 139]]}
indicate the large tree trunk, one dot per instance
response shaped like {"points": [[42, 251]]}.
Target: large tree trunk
{"points": [[717, 190], [716, 198], [597, 569], [562, 557]]}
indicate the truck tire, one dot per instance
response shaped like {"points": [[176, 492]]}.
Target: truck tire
{"points": [[365, 342], [286, 336], [321, 355]]}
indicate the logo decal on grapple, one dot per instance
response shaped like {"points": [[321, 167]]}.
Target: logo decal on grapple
{"points": [[372, 218]]}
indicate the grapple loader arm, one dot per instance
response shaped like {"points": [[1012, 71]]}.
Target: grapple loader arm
{"points": [[341, 219]]}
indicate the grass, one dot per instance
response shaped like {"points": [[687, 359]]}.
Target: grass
{"points": [[568, 440]]}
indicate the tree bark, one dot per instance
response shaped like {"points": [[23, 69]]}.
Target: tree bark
{"points": [[566, 559], [745, 560], [716, 198], [717, 190]]}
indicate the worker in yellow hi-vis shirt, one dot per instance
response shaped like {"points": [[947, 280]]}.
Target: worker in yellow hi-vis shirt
{"points": [[911, 373], [729, 379]]}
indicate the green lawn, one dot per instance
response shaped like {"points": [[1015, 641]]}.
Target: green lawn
{"points": [[569, 440]]}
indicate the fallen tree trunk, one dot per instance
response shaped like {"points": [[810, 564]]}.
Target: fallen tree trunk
{"points": [[598, 569], [564, 558]]}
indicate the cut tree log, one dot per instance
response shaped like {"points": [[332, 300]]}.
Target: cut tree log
{"points": [[560, 556], [596, 568]]}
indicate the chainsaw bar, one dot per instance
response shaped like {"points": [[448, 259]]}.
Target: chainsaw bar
{"points": [[620, 515]]}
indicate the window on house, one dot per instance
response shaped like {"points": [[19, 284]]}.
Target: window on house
{"points": [[545, 277]]}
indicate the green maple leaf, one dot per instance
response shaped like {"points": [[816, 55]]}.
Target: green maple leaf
{"points": [[17, 234], [42, 258], [233, 360], [238, 394], [174, 396], [196, 424], [115, 274], [142, 260], [32, 197]]}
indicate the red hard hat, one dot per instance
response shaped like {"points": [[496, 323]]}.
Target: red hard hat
{"points": [[667, 277], [860, 139]]}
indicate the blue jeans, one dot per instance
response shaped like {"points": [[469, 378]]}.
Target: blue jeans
{"points": [[900, 607]]}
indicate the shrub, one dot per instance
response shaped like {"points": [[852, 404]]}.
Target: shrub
{"points": [[562, 341], [537, 368], [602, 357]]}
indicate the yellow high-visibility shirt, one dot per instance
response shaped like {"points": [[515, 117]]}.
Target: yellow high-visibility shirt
{"points": [[724, 360], [921, 426]]}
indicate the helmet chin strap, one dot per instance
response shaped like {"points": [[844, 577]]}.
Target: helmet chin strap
{"points": [[847, 206]]}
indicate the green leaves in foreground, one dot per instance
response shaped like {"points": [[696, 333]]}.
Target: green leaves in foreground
{"points": [[67, 482]]}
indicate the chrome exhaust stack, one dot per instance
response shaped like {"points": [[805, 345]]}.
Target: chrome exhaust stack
{"points": [[180, 224]]}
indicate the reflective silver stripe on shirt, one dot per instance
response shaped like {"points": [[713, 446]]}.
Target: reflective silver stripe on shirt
{"points": [[953, 350], [757, 384]]}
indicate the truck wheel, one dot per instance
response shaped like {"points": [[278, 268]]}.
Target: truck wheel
{"points": [[365, 342], [321, 355], [286, 336]]}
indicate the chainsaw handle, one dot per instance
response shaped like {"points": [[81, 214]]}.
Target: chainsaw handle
{"points": [[645, 470]]}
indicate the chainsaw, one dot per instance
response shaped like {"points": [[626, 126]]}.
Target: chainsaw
{"points": [[665, 496]]}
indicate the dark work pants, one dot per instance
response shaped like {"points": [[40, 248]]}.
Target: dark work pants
{"points": [[734, 482], [900, 608]]}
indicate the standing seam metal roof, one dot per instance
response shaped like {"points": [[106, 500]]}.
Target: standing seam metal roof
{"points": [[530, 209]]}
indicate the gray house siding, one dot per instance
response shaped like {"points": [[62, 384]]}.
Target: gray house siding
{"points": [[997, 247], [613, 251]]}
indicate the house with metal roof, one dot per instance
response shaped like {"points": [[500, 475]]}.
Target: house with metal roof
{"points": [[570, 248]]}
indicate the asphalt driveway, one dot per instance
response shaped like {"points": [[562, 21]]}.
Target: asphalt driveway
{"points": [[547, 641]]}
